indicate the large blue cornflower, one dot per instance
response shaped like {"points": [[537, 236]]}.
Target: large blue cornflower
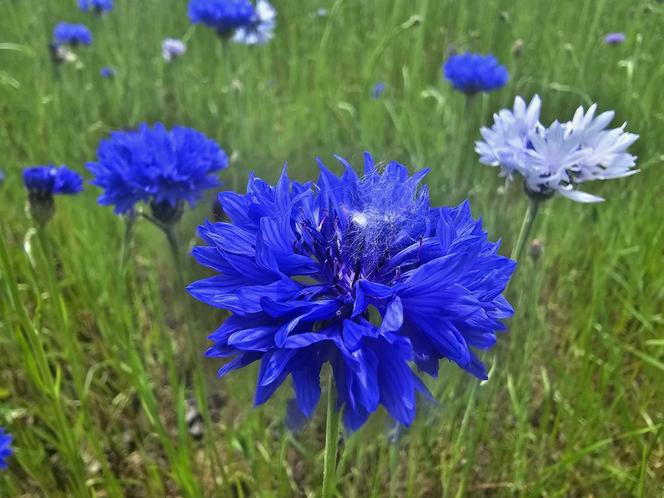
{"points": [[5, 447], [260, 29], [96, 6], [156, 165], [555, 159], [225, 16], [50, 180], [358, 272], [472, 73], [72, 34]]}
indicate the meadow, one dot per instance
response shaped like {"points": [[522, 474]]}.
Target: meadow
{"points": [[95, 384]]}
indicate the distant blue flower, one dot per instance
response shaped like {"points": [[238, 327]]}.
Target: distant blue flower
{"points": [[5, 447], [225, 16], [51, 180], [172, 48], [2, 176], [107, 72], [153, 164], [42, 183], [614, 38], [555, 159], [72, 34], [472, 73], [377, 90], [97, 6], [358, 272], [261, 28]]}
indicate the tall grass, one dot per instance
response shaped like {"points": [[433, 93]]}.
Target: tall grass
{"points": [[95, 383]]}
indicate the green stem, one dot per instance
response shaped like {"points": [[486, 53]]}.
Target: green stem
{"points": [[467, 130], [126, 242], [174, 245], [199, 374], [331, 443], [526, 226]]}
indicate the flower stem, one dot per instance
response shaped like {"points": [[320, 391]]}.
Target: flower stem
{"points": [[199, 382], [174, 245], [526, 226], [126, 242], [331, 442]]}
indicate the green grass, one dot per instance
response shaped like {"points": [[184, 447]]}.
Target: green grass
{"points": [[94, 377]]}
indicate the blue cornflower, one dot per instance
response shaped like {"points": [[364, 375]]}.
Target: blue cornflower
{"points": [[51, 180], [614, 38], [72, 34], [555, 159], [225, 16], [172, 48], [156, 165], [472, 73], [107, 72], [358, 272], [97, 6], [377, 90], [43, 182], [5, 447], [260, 29]]}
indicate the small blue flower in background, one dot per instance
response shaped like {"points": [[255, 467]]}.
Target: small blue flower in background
{"points": [[377, 90], [225, 16], [614, 38], [72, 34], [156, 165], [358, 272], [42, 183], [472, 73], [107, 72], [555, 159], [172, 48], [97, 6], [2, 177], [51, 180], [261, 28], [5, 447]]}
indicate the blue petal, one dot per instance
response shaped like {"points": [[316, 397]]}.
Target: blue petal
{"points": [[307, 389], [393, 318]]}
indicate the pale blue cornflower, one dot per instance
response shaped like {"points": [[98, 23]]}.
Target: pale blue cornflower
{"points": [[172, 48], [557, 158], [260, 29], [614, 38]]}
